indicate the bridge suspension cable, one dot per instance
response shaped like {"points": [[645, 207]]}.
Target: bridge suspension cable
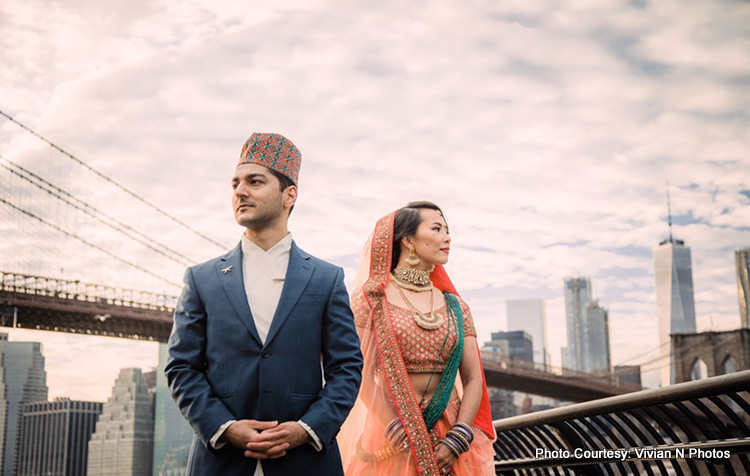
{"points": [[88, 243], [121, 187], [674, 358], [93, 212], [643, 354]]}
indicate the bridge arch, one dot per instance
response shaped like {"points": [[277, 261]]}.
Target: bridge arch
{"points": [[699, 369], [729, 365], [722, 352]]}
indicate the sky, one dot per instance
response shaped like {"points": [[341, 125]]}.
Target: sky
{"points": [[549, 132]]}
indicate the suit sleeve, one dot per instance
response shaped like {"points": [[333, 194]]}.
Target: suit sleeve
{"points": [[342, 367], [186, 366]]}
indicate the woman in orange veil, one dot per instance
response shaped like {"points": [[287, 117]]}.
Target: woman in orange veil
{"points": [[423, 407]]}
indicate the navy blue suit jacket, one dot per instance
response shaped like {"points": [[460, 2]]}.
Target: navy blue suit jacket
{"points": [[218, 369]]}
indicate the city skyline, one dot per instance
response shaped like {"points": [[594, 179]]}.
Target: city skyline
{"points": [[149, 362], [546, 132]]}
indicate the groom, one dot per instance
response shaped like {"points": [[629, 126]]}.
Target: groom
{"points": [[264, 359]]}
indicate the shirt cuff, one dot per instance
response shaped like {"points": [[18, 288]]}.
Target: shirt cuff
{"points": [[214, 441], [316, 443]]}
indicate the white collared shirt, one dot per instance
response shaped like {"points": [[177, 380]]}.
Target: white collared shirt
{"points": [[263, 274]]}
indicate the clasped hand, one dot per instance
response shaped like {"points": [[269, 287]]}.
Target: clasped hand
{"points": [[445, 458], [265, 439]]}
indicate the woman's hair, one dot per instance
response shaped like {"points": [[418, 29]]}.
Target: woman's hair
{"points": [[406, 222]]}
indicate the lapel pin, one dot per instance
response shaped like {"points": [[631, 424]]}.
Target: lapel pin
{"points": [[227, 269]]}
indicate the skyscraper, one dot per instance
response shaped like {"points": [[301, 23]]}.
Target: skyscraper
{"points": [[54, 437], [24, 380], [742, 259], [172, 433], [628, 373], [123, 441], [519, 344], [596, 355], [675, 305], [530, 315], [577, 296]]}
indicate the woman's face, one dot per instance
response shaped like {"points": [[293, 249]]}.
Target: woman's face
{"points": [[431, 242]]}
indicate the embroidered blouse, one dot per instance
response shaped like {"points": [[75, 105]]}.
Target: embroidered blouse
{"points": [[423, 350]]}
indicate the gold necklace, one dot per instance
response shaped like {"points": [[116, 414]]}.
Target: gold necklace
{"points": [[413, 279], [427, 323]]}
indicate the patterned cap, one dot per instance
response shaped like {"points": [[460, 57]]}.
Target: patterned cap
{"points": [[272, 151]]}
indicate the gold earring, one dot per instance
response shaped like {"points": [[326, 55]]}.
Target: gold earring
{"points": [[412, 260]]}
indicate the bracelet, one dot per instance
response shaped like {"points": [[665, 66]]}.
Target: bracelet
{"points": [[465, 430], [396, 435], [462, 440], [376, 457], [452, 446]]}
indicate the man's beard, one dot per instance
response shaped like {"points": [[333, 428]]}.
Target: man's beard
{"points": [[264, 215]]}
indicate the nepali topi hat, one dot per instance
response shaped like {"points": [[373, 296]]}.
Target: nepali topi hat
{"points": [[272, 151]]}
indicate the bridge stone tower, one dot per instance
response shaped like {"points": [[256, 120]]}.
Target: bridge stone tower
{"points": [[742, 259], [722, 353]]}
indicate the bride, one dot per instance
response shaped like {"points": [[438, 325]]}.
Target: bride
{"points": [[423, 406]]}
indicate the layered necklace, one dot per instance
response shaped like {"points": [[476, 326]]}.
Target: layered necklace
{"points": [[418, 281], [412, 279]]}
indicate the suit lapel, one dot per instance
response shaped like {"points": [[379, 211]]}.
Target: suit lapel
{"points": [[229, 269], [298, 274]]}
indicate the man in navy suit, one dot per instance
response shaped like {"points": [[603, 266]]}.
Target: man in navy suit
{"points": [[264, 359]]}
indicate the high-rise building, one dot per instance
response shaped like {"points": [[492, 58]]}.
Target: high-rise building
{"points": [[742, 259], [519, 344], [123, 443], [55, 436], [530, 315], [495, 347], [23, 380], [172, 433], [628, 373], [596, 354], [501, 403], [577, 296], [675, 304]]}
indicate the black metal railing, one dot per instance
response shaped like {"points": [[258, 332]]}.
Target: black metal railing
{"points": [[692, 428]]}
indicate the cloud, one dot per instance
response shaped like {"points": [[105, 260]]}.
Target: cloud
{"points": [[547, 132]]}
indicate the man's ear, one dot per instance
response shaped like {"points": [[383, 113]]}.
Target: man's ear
{"points": [[290, 196]]}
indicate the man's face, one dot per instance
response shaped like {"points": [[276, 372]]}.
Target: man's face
{"points": [[257, 201]]}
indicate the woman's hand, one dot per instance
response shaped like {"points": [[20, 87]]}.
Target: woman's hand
{"points": [[445, 458]]}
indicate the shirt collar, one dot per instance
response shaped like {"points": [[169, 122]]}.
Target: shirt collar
{"points": [[275, 260]]}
